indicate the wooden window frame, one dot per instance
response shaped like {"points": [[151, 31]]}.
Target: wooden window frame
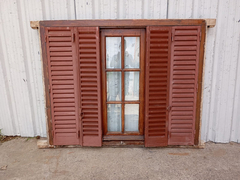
{"points": [[203, 23], [123, 33]]}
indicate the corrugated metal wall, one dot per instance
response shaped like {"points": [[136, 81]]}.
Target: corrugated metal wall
{"points": [[21, 86]]}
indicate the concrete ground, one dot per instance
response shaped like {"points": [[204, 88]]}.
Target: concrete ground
{"points": [[21, 159]]}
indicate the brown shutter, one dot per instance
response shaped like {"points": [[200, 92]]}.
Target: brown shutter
{"points": [[156, 92], [61, 52], [90, 95], [183, 86]]}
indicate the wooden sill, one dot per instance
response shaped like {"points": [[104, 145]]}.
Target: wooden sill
{"points": [[123, 138], [123, 144]]}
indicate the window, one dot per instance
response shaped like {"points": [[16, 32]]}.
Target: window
{"points": [[122, 72], [126, 80]]}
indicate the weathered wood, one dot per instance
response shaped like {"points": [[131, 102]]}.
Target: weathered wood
{"points": [[123, 143], [42, 143], [200, 85], [46, 84], [124, 23], [34, 24], [210, 23], [123, 138]]}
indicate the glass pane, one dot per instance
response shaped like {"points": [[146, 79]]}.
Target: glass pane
{"points": [[131, 117], [113, 86], [114, 119], [113, 52], [131, 52], [131, 86]]}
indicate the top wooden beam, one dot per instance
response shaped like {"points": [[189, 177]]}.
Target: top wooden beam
{"points": [[124, 23], [34, 24], [210, 23]]}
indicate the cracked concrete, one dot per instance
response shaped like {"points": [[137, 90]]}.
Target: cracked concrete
{"points": [[25, 161]]}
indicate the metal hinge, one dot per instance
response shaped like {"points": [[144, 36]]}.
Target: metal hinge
{"points": [[49, 88], [78, 134], [46, 38], [169, 108], [172, 36], [73, 37], [200, 35], [197, 87]]}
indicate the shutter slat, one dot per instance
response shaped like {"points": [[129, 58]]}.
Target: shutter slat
{"points": [[157, 76], [90, 95], [183, 78], [62, 75]]}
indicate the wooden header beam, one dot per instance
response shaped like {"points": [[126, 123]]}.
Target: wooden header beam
{"points": [[210, 23], [34, 24]]}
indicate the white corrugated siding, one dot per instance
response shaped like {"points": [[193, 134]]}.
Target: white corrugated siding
{"points": [[22, 106]]}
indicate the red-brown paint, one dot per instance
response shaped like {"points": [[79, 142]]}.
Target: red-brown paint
{"points": [[156, 88], [121, 24], [89, 85], [183, 84], [61, 55]]}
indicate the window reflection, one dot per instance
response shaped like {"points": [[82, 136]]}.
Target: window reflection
{"points": [[114, 86], [113, 52], [131, 52], [131, 86]]}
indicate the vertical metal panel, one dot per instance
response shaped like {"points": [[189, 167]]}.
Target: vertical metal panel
{"points": [[20, 57], [22, 104]]}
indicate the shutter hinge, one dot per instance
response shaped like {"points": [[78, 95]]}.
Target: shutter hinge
{"points": [[49, 88], [200, 35], [46, 38], [73, 37], [80, 110], [197, 87], [78, 134], [169, 108], [172, 35], [81, 113]]}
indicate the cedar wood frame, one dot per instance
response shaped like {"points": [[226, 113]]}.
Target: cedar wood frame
{"points": [[124, 24]]}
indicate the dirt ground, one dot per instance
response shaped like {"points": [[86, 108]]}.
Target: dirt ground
{"points": [[21, 159]]}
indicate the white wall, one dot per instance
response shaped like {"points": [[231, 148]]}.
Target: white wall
{"points": [[21, 86]]}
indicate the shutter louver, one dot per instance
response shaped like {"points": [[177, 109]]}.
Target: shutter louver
{"points": [[90, 95], [156, 92], [183, 84], [63, 91]]}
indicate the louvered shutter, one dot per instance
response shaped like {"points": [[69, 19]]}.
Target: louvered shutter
{"points": [[90, 95], [157, 85], [61, 53], [183, 84]]}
